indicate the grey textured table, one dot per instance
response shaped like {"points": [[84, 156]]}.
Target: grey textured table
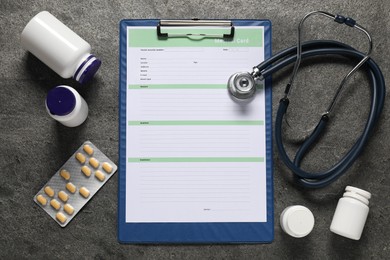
{"points": [[33, 146]]}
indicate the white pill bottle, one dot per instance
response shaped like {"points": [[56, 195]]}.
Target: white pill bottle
{"points": [[351, 213], [65, 105], [59, 48]]}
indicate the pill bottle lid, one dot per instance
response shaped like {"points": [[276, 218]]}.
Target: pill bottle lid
{"points": [[60, 101], [87, 69], [297, 221]]}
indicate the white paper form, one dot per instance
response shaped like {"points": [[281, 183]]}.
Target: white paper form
{"points": [[193, 154]]}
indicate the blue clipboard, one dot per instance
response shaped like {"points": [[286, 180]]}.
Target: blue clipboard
{"points": [[142, 233]]}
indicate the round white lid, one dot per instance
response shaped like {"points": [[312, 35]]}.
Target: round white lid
{"points": [[297, 221]]}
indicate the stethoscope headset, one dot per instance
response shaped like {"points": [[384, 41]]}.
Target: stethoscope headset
{"points": [[242, 86]]}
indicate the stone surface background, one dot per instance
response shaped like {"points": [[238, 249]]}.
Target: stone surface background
{"points": [[33, 146]]}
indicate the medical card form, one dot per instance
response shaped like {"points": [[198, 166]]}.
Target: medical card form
{"points": [[193, 153], [195, 166]]}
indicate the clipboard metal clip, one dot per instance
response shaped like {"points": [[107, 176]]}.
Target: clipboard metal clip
{"points": [[194, 23]]}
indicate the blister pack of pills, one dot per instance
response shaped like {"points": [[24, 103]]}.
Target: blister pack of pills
{"points": [[75, 183]]}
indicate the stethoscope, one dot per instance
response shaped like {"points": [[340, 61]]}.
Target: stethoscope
{"points": [[242, 86]]}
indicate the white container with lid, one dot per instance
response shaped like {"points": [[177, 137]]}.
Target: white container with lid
{"points": [[351, 213], [65, 105], [59, 47], [297, 221]]}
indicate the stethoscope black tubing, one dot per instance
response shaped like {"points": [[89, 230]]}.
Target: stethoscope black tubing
{"points": [[378, 89]]}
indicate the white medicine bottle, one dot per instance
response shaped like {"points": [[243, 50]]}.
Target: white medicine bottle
{"points": [[65, 105], [351, 213], [59, 48]]}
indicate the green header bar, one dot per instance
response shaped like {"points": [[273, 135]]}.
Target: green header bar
{"points": [[184, 122], [196, 159], [243, 37], [182, 86]]}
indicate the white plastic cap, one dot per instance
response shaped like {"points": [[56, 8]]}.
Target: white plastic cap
{"points": [[297, 221]]}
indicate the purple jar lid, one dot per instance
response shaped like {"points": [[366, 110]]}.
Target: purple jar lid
{"points": [[87, 69], [60, 101]]}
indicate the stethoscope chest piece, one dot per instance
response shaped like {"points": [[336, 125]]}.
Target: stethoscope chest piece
{"points": [[242, 85]]}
